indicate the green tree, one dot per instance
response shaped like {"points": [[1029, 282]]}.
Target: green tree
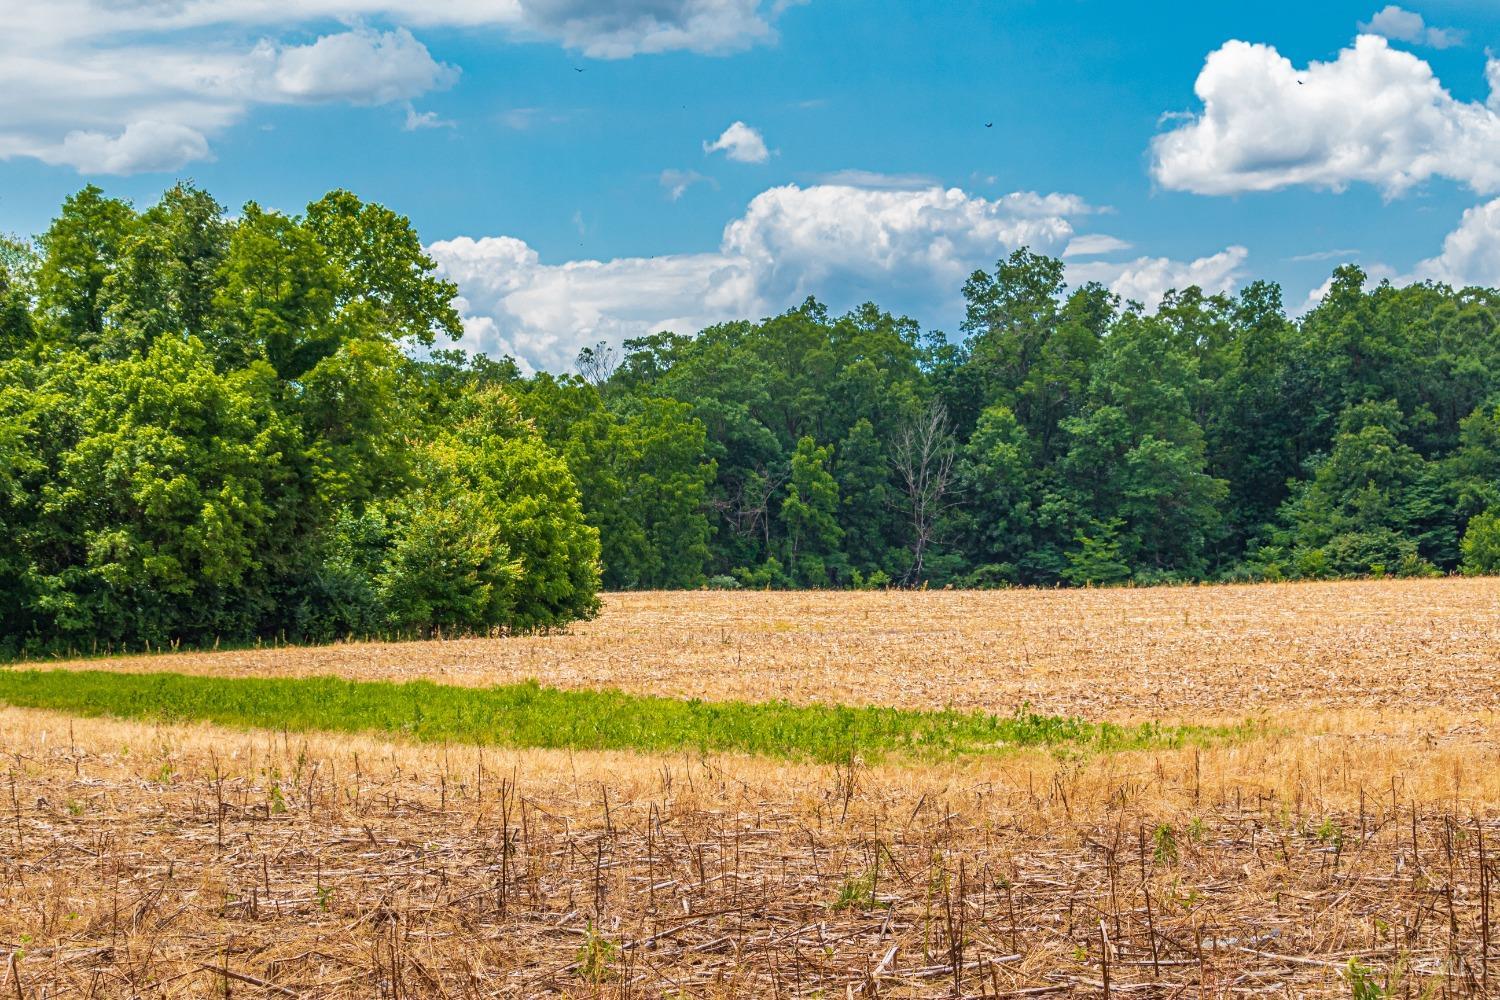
{"points": [[167, 272], [862, 470], [522, 487], [1481, 545], [810, 514], [162, 511], [448, 567], [641, 475], [995, 474], [387, 282], [1373, 505], [1137, 456], [17, 329], [80, 250]]}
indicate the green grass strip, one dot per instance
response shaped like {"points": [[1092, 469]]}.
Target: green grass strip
{"points": [[529, 715]]}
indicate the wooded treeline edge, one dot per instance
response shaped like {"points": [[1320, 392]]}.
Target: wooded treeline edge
{"points": [[221, 428]]}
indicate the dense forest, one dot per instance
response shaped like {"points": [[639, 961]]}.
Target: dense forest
{"points": [[236, 428]]}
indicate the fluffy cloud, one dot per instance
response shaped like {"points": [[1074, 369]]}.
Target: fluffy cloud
{"points": [[541, 314], [1401, 25], [131, 85], [740, 143], [133, 109], [360, 67], [907, 249], [142, 146], [1471, 253], [1147, 280], [1374, 115], [869, 242]]}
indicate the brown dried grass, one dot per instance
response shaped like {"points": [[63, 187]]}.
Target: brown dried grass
{"points": [[176, 861], [157, 860]]}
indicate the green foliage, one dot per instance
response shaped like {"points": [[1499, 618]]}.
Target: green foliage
{"points": [[81, 250], [1164, 841], [857, 893], [1097, 561], [1481, 545], [527, 715], [641, 475], [447, 568], [1364, 982], [1373, 506], [595, 955], [520, 490], [209, 432], [809, 514], [155, 524]]}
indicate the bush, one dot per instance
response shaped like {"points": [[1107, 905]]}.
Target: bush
{"points": [[1481, 545]]}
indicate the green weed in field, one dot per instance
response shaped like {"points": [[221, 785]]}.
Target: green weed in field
{"points": [[529, 715]]}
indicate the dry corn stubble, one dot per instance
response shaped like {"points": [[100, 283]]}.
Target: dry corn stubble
{"points": [[156, 860], [188, 860]]}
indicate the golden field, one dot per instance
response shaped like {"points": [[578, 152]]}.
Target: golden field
{"points": [[160, 860], [1125, 655]]}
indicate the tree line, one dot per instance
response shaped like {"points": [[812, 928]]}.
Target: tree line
{"points": [[1066, 438], [213, 429], [217, 427]]}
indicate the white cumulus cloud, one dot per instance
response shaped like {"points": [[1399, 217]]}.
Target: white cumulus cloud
{"points": [[141, 146], [541, 314], [740, 143], [137, 108], [1147, 280], [1373, 115], [909, 250], [1471, 253], [360, 67], [869, 241]]}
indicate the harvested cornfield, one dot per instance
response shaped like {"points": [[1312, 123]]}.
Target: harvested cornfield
{"points": [[1345, 842], [1178, 652]]}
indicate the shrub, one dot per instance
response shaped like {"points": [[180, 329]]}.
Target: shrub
{"points": [[1481, 545]]}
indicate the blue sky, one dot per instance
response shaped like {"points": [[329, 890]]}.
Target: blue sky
{"points": [[574, 206]]}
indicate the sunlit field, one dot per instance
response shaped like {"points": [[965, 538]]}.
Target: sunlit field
{"points": [[1221, 791], [1121, 655]]}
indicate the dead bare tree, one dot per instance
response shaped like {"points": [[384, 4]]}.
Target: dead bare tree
{"points": [[922, 455], [597, 363], [748, 510]]}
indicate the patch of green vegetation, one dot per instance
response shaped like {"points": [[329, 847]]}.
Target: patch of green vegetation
{"points": [[529, 715], [595, 955], [1165, 840], [857, 892]]}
